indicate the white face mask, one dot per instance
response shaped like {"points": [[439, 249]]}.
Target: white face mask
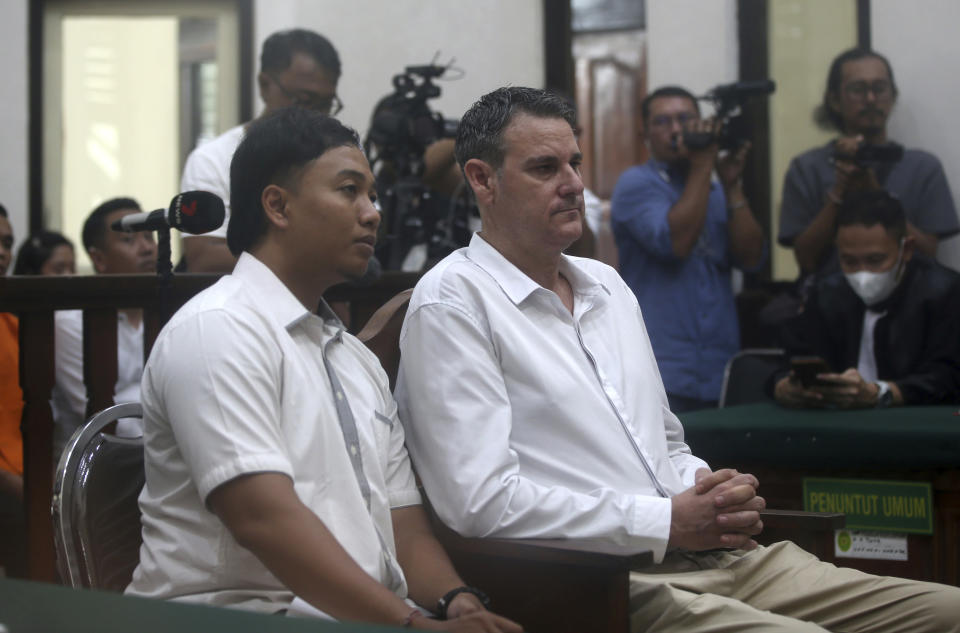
{"points": [[875, 287]]}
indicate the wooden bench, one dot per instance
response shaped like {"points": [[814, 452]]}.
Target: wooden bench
{"points": [[35, 299]]}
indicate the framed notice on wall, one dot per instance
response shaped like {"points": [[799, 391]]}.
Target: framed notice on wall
{"points": [[607, 15]]}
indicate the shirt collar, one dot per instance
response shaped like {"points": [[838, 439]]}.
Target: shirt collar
{"points": [[515, 283], [285, 307]]}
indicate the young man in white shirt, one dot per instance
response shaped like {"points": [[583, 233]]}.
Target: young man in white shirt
{"points": [[533, 408], [276, 473]]}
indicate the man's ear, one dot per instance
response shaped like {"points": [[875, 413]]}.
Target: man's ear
{"points": [[263, 83], [482, 178], [98, 259], [274, 200], [908, 247]]}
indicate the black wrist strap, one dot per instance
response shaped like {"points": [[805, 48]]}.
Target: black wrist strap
{"points": [[448, 597]]}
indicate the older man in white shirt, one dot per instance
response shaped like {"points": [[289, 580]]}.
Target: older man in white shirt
{"points": [[534, 408]]}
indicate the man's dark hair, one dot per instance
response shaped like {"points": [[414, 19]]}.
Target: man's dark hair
{"points": [[665, 91], [870, 208], [274, 151], [480, 133], [95, 227], [824, 115], [35, 252], [3, 211], [278, 50]]}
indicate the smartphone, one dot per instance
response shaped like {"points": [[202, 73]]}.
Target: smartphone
{"points": [[806, 369]]}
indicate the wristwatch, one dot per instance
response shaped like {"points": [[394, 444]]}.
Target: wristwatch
{"points": [[884, 394], [448, 597]]}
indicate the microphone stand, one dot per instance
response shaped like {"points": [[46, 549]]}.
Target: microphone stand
{"points": [[164, 271]]}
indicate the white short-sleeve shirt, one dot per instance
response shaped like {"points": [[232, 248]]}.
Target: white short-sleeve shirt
{"points": [[235, 385], [69, 396], [208, 169]]}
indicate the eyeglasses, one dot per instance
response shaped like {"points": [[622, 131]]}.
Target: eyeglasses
{"points": [[881, 89], [666, 120], [321, 103]]}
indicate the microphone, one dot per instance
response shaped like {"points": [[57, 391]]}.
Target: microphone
{"points": [[192, 212]]}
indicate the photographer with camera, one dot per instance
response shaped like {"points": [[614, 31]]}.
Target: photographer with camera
{"points": [[679, 231], [859, 97]]}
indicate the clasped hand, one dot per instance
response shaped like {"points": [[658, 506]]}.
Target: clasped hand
{"points": [[721, 510]]}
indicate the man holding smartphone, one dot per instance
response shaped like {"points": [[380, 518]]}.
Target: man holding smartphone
{"points": [[888, 323]]}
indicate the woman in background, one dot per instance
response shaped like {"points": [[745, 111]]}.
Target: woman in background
{"points": [[46, 253]]}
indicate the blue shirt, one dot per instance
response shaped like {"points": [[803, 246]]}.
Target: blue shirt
{"points": [[687, 303]]}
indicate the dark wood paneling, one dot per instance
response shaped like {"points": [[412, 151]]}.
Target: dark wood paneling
{"points": [[864, 37], [615, 94], [35, 121], [558, 45], [36, 381], [245, 55], [99, 365], [754, 64]]}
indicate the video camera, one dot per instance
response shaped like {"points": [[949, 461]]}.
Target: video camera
{"points": [[419, 226], [403, 126], [727, 100], [869, 154]]}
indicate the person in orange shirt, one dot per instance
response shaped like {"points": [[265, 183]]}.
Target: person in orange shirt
{"points": [[11, 442]]}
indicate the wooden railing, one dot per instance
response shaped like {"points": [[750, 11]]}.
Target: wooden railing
{"points": [[35, 299]]}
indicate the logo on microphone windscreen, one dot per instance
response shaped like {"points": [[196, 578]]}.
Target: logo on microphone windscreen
{"points": [[190, 208]]}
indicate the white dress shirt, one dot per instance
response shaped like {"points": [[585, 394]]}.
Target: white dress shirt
{"points": [[69, 396], [208, 169], [867, 358], [526, 421], [236, 385]]}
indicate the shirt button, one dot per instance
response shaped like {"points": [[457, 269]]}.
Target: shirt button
{"points": [[353, 449], [339, 395]]}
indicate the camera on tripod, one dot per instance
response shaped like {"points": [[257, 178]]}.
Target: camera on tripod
{"points": [[419, 226], [728, 100], [403, 126]]}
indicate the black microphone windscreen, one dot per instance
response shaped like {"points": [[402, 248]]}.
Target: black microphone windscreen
{"points": [[196, 212]]}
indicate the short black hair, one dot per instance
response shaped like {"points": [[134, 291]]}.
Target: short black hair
{"points": [[824, 115], [35, 252], [873, 207], [3, 211], [95, 227], [480, 133], [274, 150], [665, 91], [278, 50]]}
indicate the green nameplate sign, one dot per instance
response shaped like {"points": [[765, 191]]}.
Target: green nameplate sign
{"points": [[888, 506]]}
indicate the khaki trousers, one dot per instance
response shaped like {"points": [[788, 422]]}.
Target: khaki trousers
{"points": [[782, 588]]}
